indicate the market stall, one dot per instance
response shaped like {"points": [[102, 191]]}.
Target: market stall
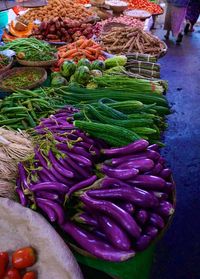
{"points": [[82, 114]]}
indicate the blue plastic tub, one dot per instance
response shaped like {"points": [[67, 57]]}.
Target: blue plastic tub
{"points": [[3, 19]]}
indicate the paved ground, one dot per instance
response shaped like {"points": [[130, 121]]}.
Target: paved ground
{"points": [[178, 254]]}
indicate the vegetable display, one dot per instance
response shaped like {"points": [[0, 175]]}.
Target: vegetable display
{"points": [[21, 259], [131, 39], [30, 49], [57, 8], [146, 5], [17, 32], [91, 208], [4, 61], [60, 30]]}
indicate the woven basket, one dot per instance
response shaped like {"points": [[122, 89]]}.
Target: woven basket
{"points": [[48, 63], [21, 70], [138, 14], [7, 67]]}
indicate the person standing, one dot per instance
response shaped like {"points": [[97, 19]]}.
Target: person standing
{"points": [[192, 15], [175, 17]]}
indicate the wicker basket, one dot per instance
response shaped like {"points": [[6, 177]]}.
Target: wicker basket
{"points": [[138, 14], [48, 63], [7, 67], [164, 50], [117, 8], [21, 70]]}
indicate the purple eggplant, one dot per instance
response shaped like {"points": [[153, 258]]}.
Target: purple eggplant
{"points": [[156, 220], [127, 206], [51, 214], [142, 165], [137, 196], [47, 195], [142, 216], [85, 218], [82, 171], [54, 206], [75, 149], [23, 178], [134, 147], [50, 186], [122, 173], [153, 147], [169, 187], [95, 245], [148, 182], [151, 231], [162, 161], [80, 159], [99, 234], [114, 233], [165, 209], [115, 212], [64, 172], [83, 184], [143, 242], [161, 196], [157, 169], [44, 173], [165, 173], [22, 197]]}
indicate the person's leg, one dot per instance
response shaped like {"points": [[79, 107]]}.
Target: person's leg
{"points": [[167, 35], [167, 24]]}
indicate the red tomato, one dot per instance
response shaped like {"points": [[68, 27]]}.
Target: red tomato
{"points": [[4, 259], [12, 273], [23, 258], [29, 275]]}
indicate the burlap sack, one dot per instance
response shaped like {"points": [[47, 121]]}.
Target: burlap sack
{"points": [[20, 227]]}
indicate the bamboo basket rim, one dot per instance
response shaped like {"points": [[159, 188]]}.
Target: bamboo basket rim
{"points": [[38, 63]]}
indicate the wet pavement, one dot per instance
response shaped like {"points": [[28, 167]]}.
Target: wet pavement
{"points": [[178, 254]]}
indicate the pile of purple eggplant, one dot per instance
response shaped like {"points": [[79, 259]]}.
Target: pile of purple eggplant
{"points": [[110, 202]]}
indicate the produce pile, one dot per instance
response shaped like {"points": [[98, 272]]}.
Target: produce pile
{"points": [[60, 30], [14, 147], [4, 61], [21, 259], [57, 8], [30, 49], [20, 30], [146, 5], [129, 39], [123, 207]]}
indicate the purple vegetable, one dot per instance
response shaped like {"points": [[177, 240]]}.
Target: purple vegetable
{"points": [[123, 174], [114, 211], [148, 182], [151, 231], [46, 173], [51, 214], [169, 187], [80, 159], [89, 147], [114, 233], [85, 218], [157, 169], [85, 183], [64, 172], [153, 147], [83, 172], [47, 195], [50, 186], [165, 209], [162, 161], [95, 245], [137, 196], [142, 165], [142, 216], [134, 147], [99, 234], [165, 173], [160, 195], [156, 220], [76, 149], [127, 206], [143, 242], [54, 206], [23, 177], [22, 197]]}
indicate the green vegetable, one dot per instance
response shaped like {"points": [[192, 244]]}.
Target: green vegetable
{"points": [[82, 75], [84, 62], [68, 68], [58, 81], [96, 73], [114, 70], [55, 74], [98, 65], [120, 60]]}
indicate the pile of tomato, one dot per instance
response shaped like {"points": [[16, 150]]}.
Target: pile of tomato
{"points": [[145, 5], [15, 268]]}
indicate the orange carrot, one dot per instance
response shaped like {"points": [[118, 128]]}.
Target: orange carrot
{"points": [[60, 62], [84, 44]]}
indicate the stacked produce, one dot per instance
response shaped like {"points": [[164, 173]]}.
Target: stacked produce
{"points": [[83, 48], [120, 213], [14, 147], [57, 8], [20, 30], [30, 49], [146, 5], [131, 39], [60, 30]]}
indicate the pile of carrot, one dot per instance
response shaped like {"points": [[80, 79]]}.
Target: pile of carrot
{"points": [[83, 48]]}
